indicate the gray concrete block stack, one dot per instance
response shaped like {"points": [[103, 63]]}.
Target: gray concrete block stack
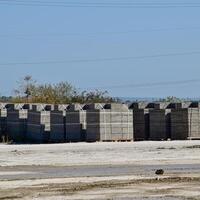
{"points": [[194, 123], [17, 115], [38, 123], [75, 123], [185, 122], [58, 124], [95, 118], [141, 119], [180, 124], [121, 122], [109, 122], [3, 124], [159, 120]]}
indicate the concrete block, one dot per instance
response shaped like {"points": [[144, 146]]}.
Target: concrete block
{"points": [[160, 126], [17, 125], [38, 126], [109, 122], [58, 127], [75, 123], [141, 124]]}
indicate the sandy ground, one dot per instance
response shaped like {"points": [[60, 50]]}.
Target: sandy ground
{"points": [[101, 171]]}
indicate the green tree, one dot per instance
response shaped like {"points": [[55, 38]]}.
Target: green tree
{"points": [[63, 92]]}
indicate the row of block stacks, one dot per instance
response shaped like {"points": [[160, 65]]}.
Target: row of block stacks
{"points": [[162, 121], [43, 123]]}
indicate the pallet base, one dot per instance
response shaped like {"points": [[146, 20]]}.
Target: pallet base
{"points": [[117, 141], [193, 138]]}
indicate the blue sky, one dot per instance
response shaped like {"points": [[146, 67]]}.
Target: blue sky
{"points": [[37, 34]]}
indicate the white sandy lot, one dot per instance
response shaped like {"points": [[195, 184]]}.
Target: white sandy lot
{"points": [[148, 152], [88, 154]]}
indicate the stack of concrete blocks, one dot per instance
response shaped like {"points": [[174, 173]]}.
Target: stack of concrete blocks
{"points": [[141, 119], [185, 122], [121, 122], [3, 125], [75, 123], [38, 123], [17, 115], [159, 120], [95, 130], [109, 122], [58, 124]]}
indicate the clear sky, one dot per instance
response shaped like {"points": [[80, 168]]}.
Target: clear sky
{"points": [[32, 35]]}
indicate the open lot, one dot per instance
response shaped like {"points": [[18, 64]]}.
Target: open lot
{"points": [[101, 170]]}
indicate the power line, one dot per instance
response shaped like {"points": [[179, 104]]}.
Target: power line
{"points": [[108, 59], [94, 6], [103, 5], [145, 85], [44, 35], [107, 2]]}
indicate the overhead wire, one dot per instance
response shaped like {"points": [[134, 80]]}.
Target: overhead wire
{"points": [[145, 85], [106, 59], [76, 34], [102, 4]]}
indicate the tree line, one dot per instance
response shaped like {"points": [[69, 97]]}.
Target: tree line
{"points": [[30, 91]]}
